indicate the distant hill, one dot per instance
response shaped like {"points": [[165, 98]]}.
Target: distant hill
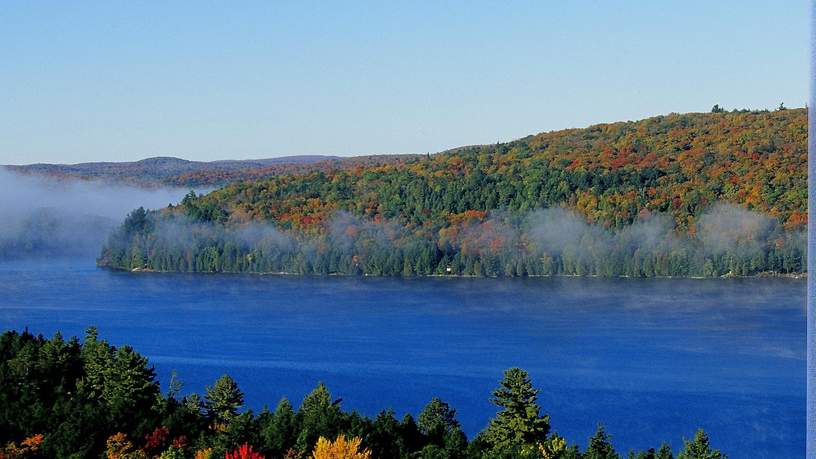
{"points": [[696, 194], [180, 172]]}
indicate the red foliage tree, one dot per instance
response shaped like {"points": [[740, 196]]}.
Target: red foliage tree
{"points": [[157, 439], [244, 452]]}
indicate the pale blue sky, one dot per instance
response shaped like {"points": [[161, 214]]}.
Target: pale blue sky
{"points": [[90, 81]]}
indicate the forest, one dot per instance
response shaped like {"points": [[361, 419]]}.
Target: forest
{"points": [[700, 194], [80, 399]]}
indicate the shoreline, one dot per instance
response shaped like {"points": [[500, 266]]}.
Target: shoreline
{"points": [[764, 274]]}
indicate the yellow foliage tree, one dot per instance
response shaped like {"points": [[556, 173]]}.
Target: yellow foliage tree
{"points": [[340, 449], [120, 447], [552, 448]]}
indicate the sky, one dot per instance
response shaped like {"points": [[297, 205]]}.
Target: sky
{"points": [[121, 81]]}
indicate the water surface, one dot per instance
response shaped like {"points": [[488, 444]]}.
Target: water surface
{"points": [[650, 359]]}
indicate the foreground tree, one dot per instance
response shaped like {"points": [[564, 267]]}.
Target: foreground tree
{"points": [[279, 432], [519, 425], [317, 417], [340, 449], [244, 452], [120, 447], [437, 422], [554, 448], [664, 452], [223, 400], [700, 448], [437, 418], [600, 446]]}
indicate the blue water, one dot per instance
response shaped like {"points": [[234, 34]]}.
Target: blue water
{"points": [[650, 359]]}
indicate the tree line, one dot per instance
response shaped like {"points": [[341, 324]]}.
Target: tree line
{"points": [[479, 244], [72, 399]]}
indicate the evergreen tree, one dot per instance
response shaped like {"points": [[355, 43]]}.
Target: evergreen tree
{"points": [[600, 446], [664, 452], [279, 434], [518, 425], [317, 417], [699, 448], [437, 418], [385, 439], [223, 399]]}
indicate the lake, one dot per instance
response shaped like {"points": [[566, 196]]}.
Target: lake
{"points": [[651, 359]]}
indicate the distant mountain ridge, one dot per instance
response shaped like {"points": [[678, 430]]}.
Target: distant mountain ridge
{"points": [[173, 163], [167, 170]]}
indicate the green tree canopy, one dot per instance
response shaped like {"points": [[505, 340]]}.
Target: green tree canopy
{"points": [[437, 418], [664, 452], [519, 424], [317, 417], [600, 446], [223, 399], [699, 448], [279, 433]]}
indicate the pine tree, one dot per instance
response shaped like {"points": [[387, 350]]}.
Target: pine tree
{"points": [[317, 417], [664, 452], [279, 433], [518, 425], [437, 418], [699, 448], [223, 399], [600, 446]]}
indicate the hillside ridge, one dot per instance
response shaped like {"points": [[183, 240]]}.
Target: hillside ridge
{"points": [[679, 194]]}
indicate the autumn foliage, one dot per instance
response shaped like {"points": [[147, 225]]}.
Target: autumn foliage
{"points": [[157, 439], [120, 447], [462, 211], [244, 452], [340, 449], [29, 447], [678, 163]]}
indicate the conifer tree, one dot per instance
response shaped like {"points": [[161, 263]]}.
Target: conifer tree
{"points": [[223, 399], [699, 448], [600, 446], [519, 424]]}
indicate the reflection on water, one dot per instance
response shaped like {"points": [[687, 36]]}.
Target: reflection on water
{"points": [[651, 359]]}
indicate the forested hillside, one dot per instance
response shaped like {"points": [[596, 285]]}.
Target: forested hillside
{"points": [[701, 194]]}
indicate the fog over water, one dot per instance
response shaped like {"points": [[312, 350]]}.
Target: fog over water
{"points": [[42, 216]]}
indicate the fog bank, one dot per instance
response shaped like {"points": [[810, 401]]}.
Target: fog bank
{"points": [[42, 216], [725, 239]]}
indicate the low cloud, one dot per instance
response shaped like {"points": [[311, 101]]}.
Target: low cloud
{"points": [[42, 216]]}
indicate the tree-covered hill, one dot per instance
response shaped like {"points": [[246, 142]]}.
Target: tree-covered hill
{"points": [[176, 172], [682, 194]]}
